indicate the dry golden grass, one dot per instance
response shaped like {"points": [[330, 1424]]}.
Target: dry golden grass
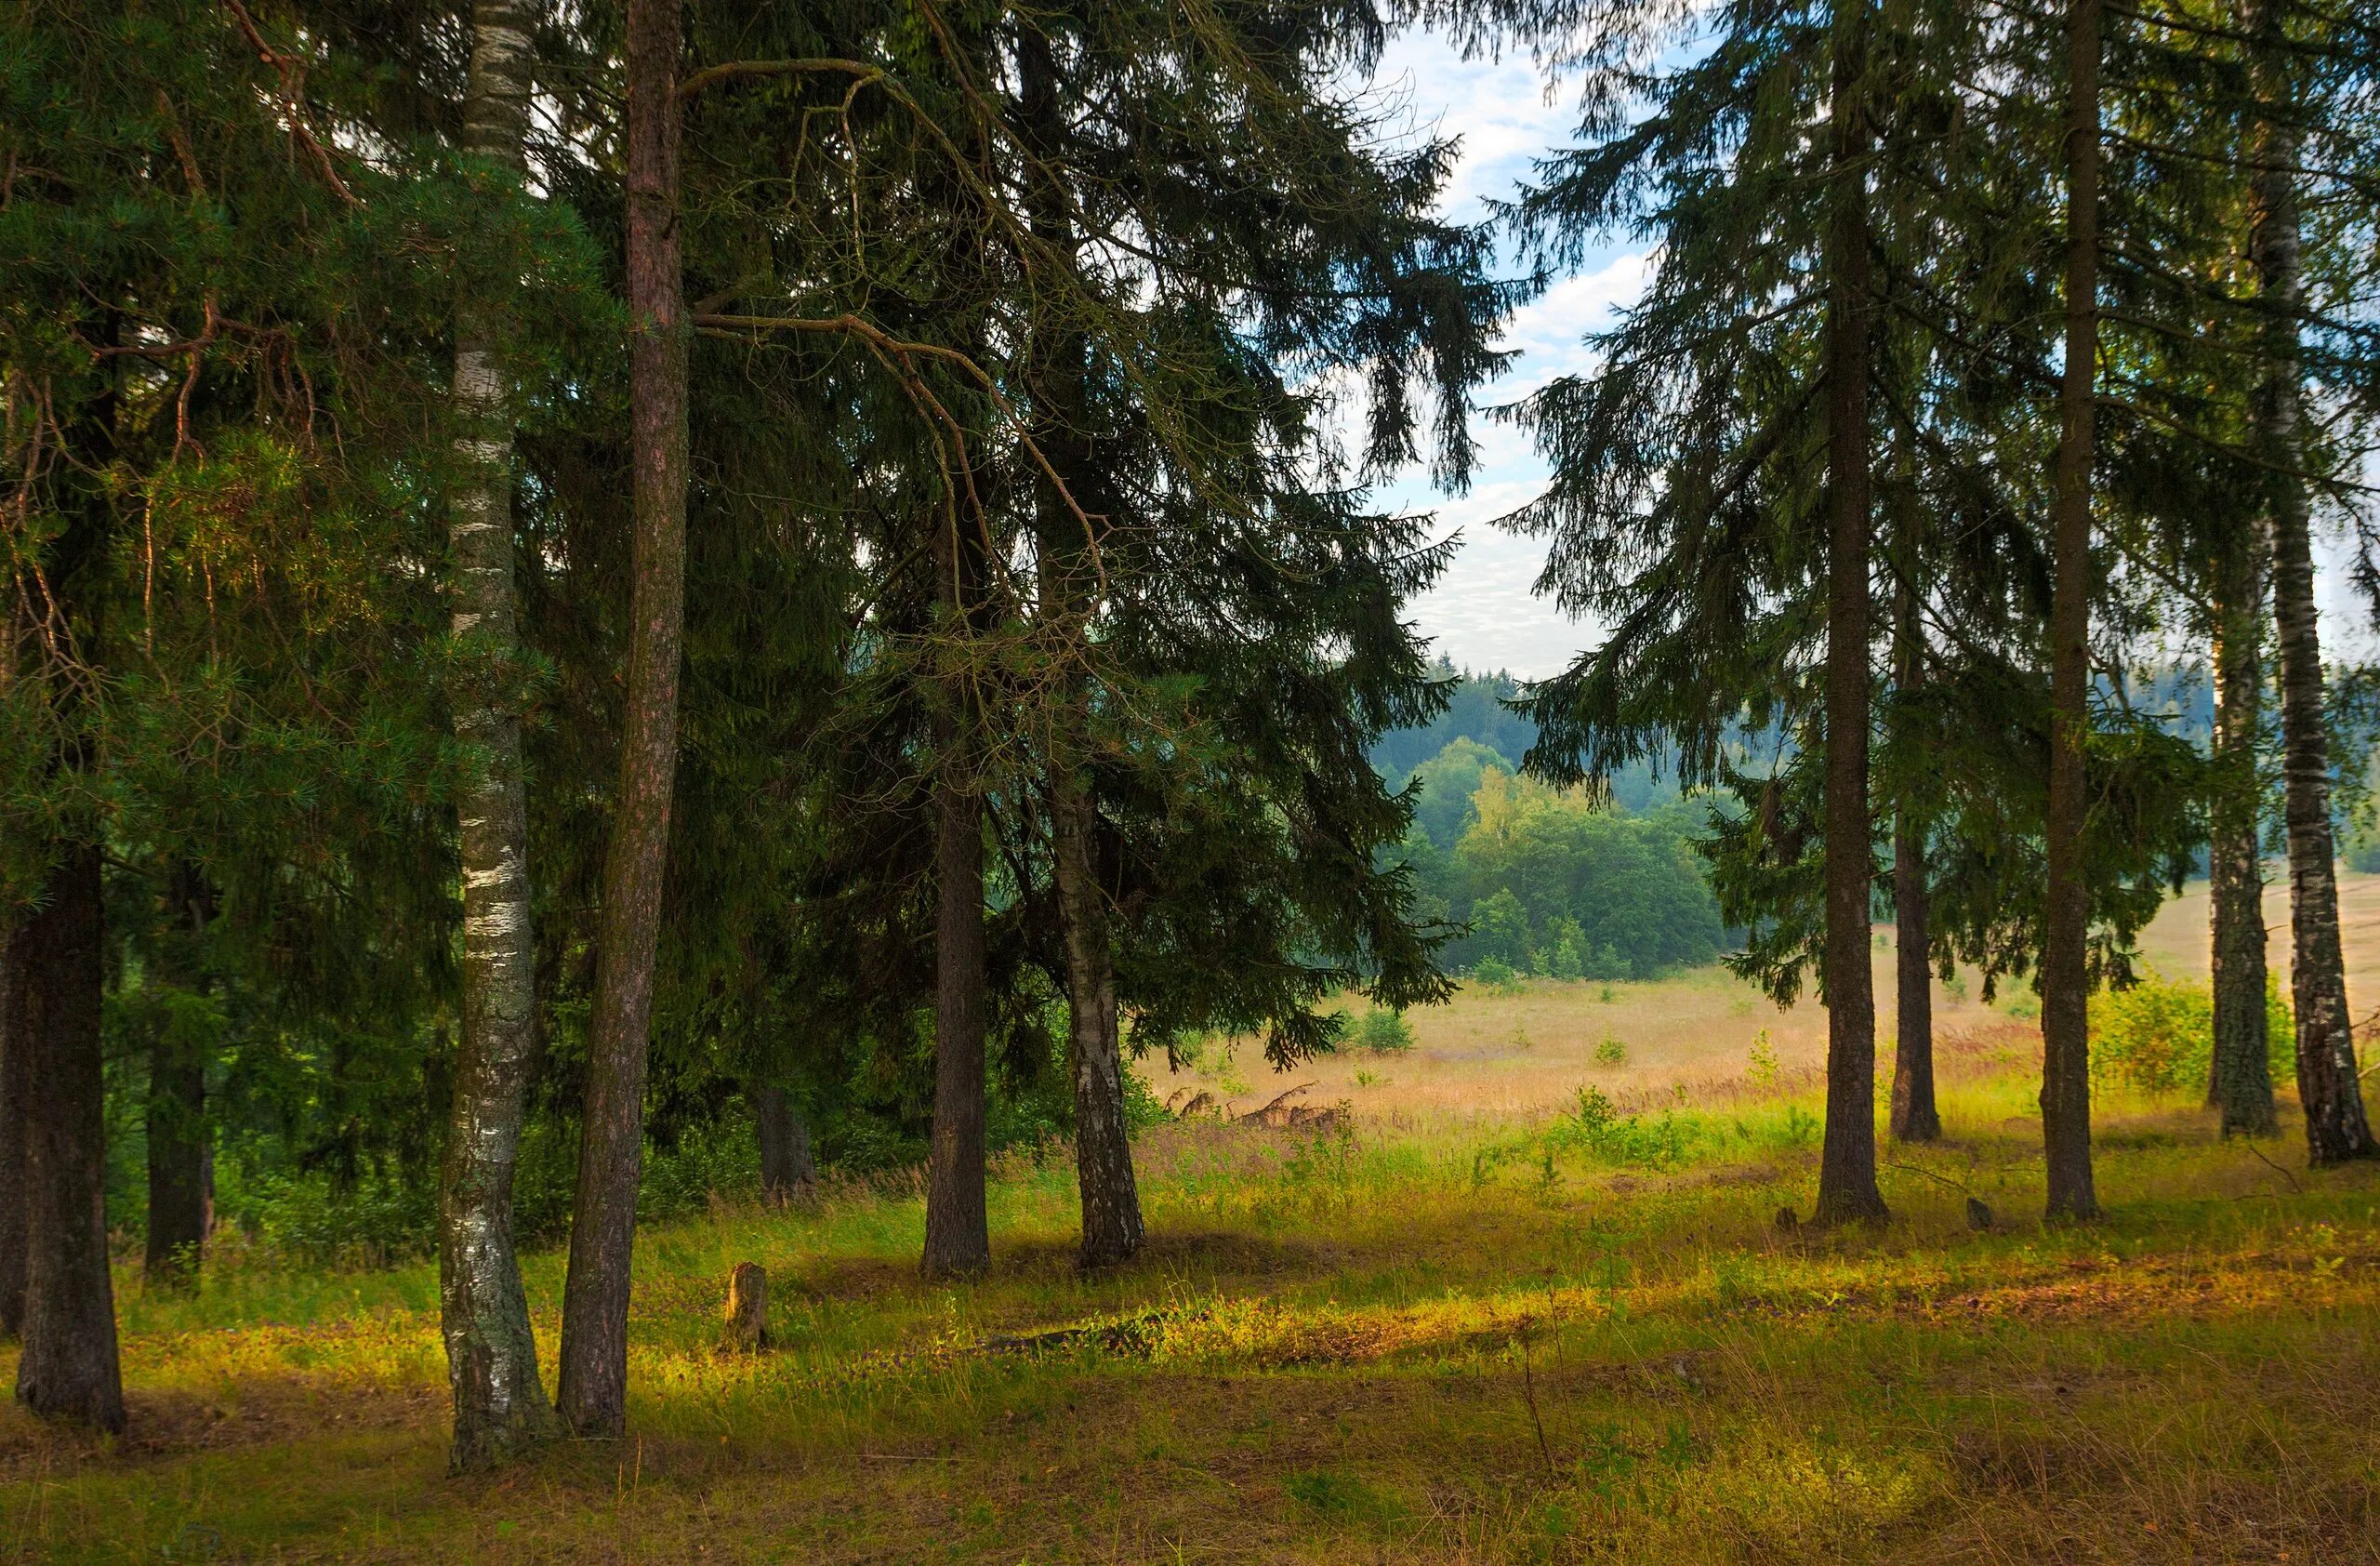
{"points": [[1494, 1056]]}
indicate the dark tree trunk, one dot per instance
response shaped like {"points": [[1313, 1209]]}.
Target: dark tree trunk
{"points": [[1111, 1202], [176, 1103], [958, 1241], [69, 1369], [2066, 982], [499, 1397], [788, 1171], [15, 1049], [2240, 1084], [593, 1390], [177, 1126], [1848, 1160], [2337, 1128], [1914, 1117]]}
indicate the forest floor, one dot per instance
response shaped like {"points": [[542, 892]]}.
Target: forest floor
{"points": [[1430, 1332]]}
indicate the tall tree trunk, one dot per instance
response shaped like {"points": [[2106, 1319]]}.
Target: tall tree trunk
{"points": [[69, 1369], [1914, 1117], [1111, 1198], [176, 1128], [176, 1102], [593, 1392], [500, 1406], [1112, 1229], [2065, 1037], [2239, 1082], [2337, 1128], [14, 1050], [1848, 1160], [959, 1240], [788, 1171]]}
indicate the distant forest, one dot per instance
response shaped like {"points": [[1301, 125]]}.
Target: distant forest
{"points": [[1543, 881], [1572, 892]]}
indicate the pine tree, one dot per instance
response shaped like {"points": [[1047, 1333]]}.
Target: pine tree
{"points": [[592, 1393], [2066, 1063]]}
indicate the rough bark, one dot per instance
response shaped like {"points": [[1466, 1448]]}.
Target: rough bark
{"points": [[1111, 1201], [959, 1240], [788, 1171], [69, 1368], [593, 1390], [177, 1132], [500, 1398], [2239, 1082], [1914, 1117], [176, 1108], [1847, 1158], [1112, 1229], [2065, 1040], [743, 1325], [13, 1052], [2336, 1127]]}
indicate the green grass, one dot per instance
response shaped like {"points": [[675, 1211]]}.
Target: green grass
{"points": [[1581, 1338]]}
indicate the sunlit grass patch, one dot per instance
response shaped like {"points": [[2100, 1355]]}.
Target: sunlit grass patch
{"points": [[1574, 1334]]}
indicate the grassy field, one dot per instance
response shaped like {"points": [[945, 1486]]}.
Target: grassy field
{"points": [[1478, 1320]]}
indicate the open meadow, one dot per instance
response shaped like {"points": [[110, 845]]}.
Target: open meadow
{"points": [[1479, 1320]]}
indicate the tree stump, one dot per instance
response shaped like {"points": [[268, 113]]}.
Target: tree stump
{"points": [[747, 1327]]}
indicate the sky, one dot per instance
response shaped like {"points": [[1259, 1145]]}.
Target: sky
{"points": [[1483, 614]]}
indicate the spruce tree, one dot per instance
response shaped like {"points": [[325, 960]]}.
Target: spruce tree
{"points": [[2066, 1059]]}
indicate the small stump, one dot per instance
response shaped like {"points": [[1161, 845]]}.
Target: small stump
{"points": [[745, 1329]]}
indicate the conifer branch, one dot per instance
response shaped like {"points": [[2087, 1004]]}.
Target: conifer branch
{"points": [[291, 80]]}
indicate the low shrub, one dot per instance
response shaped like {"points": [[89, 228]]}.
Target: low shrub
{"points": [[1494, 973], [1598, 1130], [1382, 1031], [2158, 1035]]}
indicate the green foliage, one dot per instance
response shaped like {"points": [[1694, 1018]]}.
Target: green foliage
{"points": [[1549, 883], [1596, 1129], [1761, 1061], [1611, 1051], [2158, 1034], [1497, 974], [1383, 1032], [1443, 811]]}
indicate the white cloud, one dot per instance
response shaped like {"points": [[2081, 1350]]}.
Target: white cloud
{"points": [[1484, 612]]}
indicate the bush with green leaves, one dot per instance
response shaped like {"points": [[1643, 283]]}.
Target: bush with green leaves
{"points": [[1598, 1130], [1383, 1032], [2158, 1035], [1494, 973]]}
